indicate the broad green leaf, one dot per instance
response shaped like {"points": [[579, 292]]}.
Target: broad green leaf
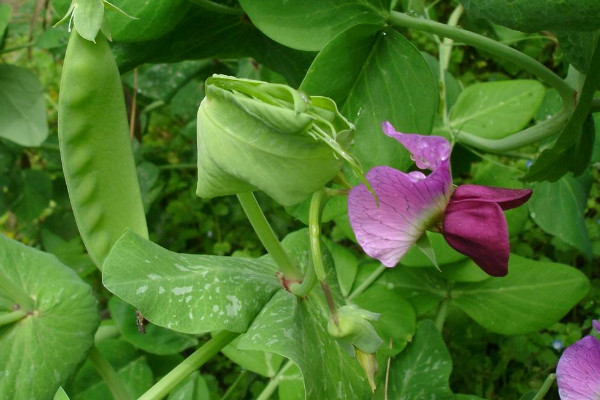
{"points": [[194, 387], [35, 196], [189, 293], [533, 16], [291, 386], [378, 76], [578, 47], [559, 209], [464, 271], [155, 340], [129, 364], [310, 24], [397, 321], [423, 370], [146, 14], [345, 263], [533, 296], [207, 35], [61, 394], [443, 253], [61, 306], [424, 288], [494, 110], [71, 253], [573, 149], [23, 117], [453, 86], [493, 173], [4, 18], [261, 362]]}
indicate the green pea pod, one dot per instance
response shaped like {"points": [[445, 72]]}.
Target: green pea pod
{"points": [[95, 148], [262, 136]]}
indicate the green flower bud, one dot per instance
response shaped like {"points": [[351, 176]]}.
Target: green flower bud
{"points": [[255, 135], [354, 328]]}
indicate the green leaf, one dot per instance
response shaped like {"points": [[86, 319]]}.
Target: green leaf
{"points": [[62, 308], [87, 18], [291, 386], [168, 12], [377, 76], [423, 370], [61, 395], [573, 149], [345, 263], [464, 271], [194, 387], [534, 16], [494, 110], [206, 35], [578, 47], [443, 253], [566, 198], [4, 18], [131, 367], [188, 293], [155, 340], [23, 117], [260, 362], [533, 296], [310, 24], [36, 195]]}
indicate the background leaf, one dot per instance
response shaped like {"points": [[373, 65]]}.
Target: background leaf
{"points": [[494, 110], [64, 310], [23, 117], [533, 296], [310, 24]]}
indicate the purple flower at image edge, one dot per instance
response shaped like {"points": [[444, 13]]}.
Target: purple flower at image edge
{"points": [[470, 217], [578, 369]]}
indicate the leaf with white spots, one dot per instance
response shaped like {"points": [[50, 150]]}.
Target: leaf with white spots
{"points": [[423, 370], [189, 293]]}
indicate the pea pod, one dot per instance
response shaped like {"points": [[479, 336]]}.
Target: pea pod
{"points": [[95, 149]]}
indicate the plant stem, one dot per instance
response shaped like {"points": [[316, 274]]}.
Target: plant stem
{"points": [[492, 46], [189, 365], [106, 332], [267, 236], [445, 50], [218, 8], [10, 317], [309, 281], [545, 387], [367, 282], [441, 315], [314, 228], [109, 375], [274, 382], [16, 294], [330, 303]]}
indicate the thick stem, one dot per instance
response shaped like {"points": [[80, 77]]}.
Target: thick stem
{"points": [[492, 46], [545, 387], [189, 365], [274, 382], [314, 228], [10, 317], [267, 236], [109, 375], [16, 294]]}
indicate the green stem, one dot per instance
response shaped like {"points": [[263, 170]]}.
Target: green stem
{"points": [[10, 317], [442, 313], [16, 294], [274, 382], [330, 303], [445, 51], [492, 46], [218, 8], [109, 375], [267, 236], [367, 282], [308, 283], [106, 332], [164, 386], [314, 228], [545, 387]]}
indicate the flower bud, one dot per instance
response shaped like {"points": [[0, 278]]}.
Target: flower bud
{"points": [[255, 135], [354, 327]]}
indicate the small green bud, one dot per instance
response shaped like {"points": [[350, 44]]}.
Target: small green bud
{"points": [[354, 327], [255, 135]]}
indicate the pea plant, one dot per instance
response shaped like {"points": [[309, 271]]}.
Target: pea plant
{"points": [[317, 199]]}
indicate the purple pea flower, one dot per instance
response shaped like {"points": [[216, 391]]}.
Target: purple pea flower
{"points": [[578, 370], [470, 216]]}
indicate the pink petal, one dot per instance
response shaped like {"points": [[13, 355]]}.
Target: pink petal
{"points": [[596, 325], [407, 207], [428, 152], [505, 198], [478, 229], [578, 371]]}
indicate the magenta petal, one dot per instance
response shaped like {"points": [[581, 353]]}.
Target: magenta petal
{"points": [[407, 207], [578, 371], [505, 198], [478, 229], [428, 152]]}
